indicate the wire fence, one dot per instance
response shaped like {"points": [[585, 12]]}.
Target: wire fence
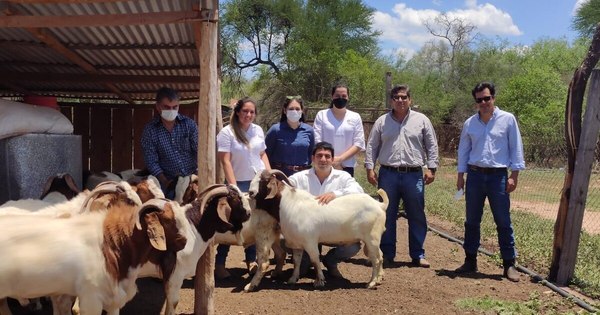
{"points": [[534, 207], [534, 204]]}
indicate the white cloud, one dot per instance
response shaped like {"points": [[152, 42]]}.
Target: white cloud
{"points": [[577, 5], [405, 26]]}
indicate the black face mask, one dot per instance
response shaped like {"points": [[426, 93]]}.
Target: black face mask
{"points": [[339, 102]]}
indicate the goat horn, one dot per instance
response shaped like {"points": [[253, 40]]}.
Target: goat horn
{"points": [[280, 176], [102, 188], [210, 192]]}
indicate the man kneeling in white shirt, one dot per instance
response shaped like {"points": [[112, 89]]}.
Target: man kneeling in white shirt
{"points": [[327, 183]]}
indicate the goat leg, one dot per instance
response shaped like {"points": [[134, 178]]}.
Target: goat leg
{"points": [[263, 249], [313, 253], [279, 254], [297, 255]]}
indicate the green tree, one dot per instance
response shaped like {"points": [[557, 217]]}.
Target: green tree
{"points": [[586, 18]]}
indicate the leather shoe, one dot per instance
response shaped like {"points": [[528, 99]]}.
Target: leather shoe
{"points": [[421, 262], [468, 267], [221, 272], [512, 274], [388, 262], [332, 269]]}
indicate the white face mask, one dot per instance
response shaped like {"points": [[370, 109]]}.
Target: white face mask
{"points": [[293, 115], [168, 114]]}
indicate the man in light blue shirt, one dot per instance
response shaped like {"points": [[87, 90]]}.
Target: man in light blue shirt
{"points": [[490, 144]]}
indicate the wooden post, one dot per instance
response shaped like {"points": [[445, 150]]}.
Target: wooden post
{"points": [[206, 41], [573, 112], [388, 89], [581, 180]]}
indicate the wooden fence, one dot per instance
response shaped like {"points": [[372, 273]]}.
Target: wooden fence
{"points": [[111, 133]]}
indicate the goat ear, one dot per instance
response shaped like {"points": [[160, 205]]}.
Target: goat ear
{"points": [[272, 187], [155, 230], [224, 213]]}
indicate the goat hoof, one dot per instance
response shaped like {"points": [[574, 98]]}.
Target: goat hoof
{"points": [[319, 283], [372, 285], [249, 288]]}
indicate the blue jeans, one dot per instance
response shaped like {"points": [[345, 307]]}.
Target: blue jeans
{"points": [[410, 188], [493, 186], [223, 250]]}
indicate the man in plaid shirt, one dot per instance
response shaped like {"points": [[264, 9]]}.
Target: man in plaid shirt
{"points": [[170, 142]]}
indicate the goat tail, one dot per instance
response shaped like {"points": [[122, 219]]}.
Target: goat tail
{"points": [[384, 197]]}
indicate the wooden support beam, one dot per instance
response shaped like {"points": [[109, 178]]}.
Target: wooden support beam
{"points": [[80, 46], [28, 21], [93, 78], [581, 181], [59, 1], [9, 64], [206, 37], [16, 88]]}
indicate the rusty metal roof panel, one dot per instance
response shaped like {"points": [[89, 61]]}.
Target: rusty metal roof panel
{"points": [[151, 50]]}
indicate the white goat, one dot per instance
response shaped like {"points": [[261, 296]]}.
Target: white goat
{"points": [[305, 223]]}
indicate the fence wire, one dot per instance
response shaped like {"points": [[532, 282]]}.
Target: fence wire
{"points": [[534, 207]]}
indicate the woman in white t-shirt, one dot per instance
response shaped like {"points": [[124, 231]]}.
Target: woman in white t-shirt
{"points": [[342, 128], [241, 151]]}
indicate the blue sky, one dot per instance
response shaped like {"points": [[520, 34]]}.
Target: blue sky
{"points": [[519, 21]]}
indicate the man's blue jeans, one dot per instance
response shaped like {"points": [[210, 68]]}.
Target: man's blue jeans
{"points": [[410, 188], [223, 250], [493, 186]]}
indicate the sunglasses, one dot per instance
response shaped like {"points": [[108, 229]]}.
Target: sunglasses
{"points": [[483, 99], [296, 97], [398, 97]]}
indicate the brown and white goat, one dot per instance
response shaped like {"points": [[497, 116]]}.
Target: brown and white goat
{"points": [[95, 256], [219, 209], [305, 223]]}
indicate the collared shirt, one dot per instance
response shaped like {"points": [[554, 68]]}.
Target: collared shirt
{"points": [[339, 182], [495, 144], [411, 142], [245, 159], [290, 146], [172, 153], [342, 134]]}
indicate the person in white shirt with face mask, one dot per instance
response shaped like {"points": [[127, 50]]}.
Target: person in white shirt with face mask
{"points": [[170, 142], [291, 140]]}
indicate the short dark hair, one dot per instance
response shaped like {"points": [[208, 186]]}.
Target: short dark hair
{"points": [[323, 145], [482, 86], [166, 92], [398, 88], [287, 102]]}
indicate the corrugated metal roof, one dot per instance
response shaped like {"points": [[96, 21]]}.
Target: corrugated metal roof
{"points": [[134, 55]]}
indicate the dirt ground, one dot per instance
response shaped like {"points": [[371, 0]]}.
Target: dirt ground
{"points": [[405, 289]]}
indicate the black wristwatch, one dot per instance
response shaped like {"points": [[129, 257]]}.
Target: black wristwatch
{"points": [[433, 170]]}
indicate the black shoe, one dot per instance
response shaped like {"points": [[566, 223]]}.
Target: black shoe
{"points": [[469, 266], [388, 262], [421, 262]]}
